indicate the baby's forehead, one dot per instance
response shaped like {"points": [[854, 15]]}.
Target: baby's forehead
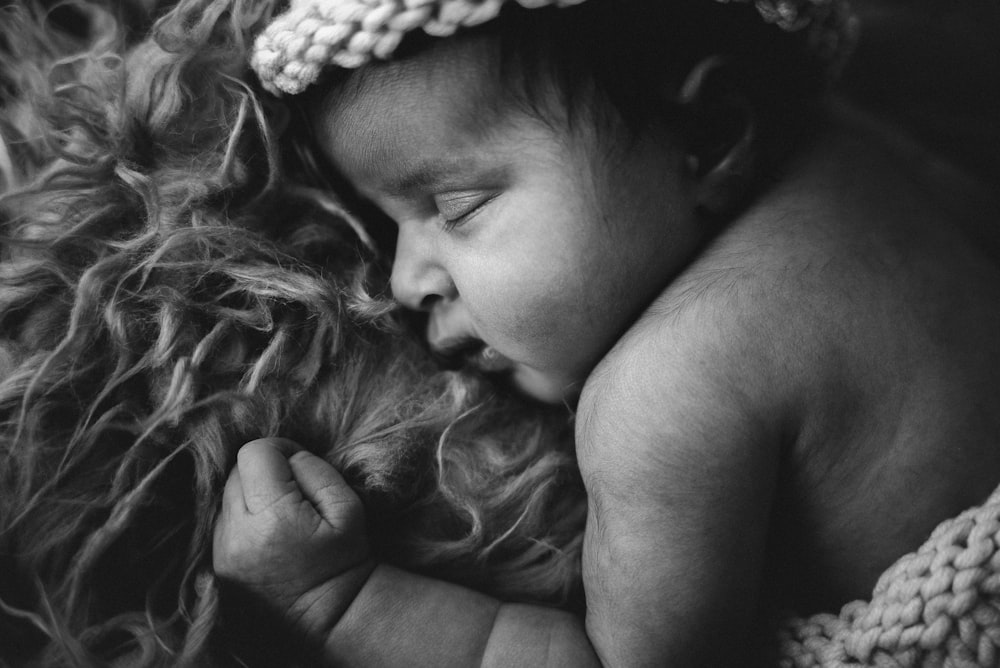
{"points": [[459, 80], [432, 101]]}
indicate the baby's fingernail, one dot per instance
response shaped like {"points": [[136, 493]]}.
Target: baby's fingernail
{"points": [[285, 446]]}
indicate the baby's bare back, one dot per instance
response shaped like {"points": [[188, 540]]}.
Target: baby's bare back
{"points": [[873, 277], [798, 409]]}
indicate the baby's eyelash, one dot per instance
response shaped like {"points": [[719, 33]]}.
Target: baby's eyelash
{"points": [[449, 224], [461, 206]]}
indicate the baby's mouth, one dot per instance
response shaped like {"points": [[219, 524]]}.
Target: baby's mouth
{"points": [[458, 353]]}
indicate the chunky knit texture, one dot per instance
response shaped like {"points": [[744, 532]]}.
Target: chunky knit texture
{"points": [[293, 50], [938, 606]]}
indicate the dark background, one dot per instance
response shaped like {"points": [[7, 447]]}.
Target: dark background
{"points": [[934, 66]]}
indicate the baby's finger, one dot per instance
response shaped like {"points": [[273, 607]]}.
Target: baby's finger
{"points": [[226, 525], [232, 493], [264, 473], [335, 501]]}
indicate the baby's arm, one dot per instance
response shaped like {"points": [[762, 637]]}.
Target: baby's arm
{"points": [[405, 620], [291, 534], [680, 470]]}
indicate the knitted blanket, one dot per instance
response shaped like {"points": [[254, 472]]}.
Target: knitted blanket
{"points": [[937, 606]]}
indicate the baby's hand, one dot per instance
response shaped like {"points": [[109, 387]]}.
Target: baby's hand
{"points": [[291, 533]]}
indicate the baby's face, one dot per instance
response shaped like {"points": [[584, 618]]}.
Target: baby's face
{"points": [[531, 245]]}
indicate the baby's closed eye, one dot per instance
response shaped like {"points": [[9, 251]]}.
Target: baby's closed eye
{"points": [[458, 206]]}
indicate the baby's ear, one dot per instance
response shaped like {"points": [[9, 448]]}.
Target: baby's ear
{"points": [[719, 134]]}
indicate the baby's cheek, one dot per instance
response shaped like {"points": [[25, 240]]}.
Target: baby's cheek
{"points": [[539, 315]]}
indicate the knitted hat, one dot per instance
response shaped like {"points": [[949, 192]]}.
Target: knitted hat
{"points": [[293, 50]]}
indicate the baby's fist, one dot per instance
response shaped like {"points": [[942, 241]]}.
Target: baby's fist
{"points": [[288, 527]]}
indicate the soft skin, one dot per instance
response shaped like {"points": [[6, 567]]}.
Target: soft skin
{"points": [[771, 418], [513, 230]]}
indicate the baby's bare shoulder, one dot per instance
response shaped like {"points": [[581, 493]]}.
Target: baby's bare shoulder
{"points": [[693, 377], [731, 328]]}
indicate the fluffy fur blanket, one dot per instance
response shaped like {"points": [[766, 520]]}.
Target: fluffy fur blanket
{"points": [[169, 292]]}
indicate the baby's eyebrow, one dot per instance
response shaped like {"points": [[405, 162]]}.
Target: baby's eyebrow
{"points": [[406, 177]]}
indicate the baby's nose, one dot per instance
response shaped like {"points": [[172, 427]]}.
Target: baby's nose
{"points": [[419, 281]]}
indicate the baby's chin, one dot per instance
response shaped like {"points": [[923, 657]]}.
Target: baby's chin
{"points": [[544, 387]]}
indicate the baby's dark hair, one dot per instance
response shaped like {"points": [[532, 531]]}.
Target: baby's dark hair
{"points": [[628, 50], [627, 60]]}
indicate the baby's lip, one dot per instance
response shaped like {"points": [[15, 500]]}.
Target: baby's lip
{"points": [[452, 353], [455, 341], [469, 351], [491, 360]]}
